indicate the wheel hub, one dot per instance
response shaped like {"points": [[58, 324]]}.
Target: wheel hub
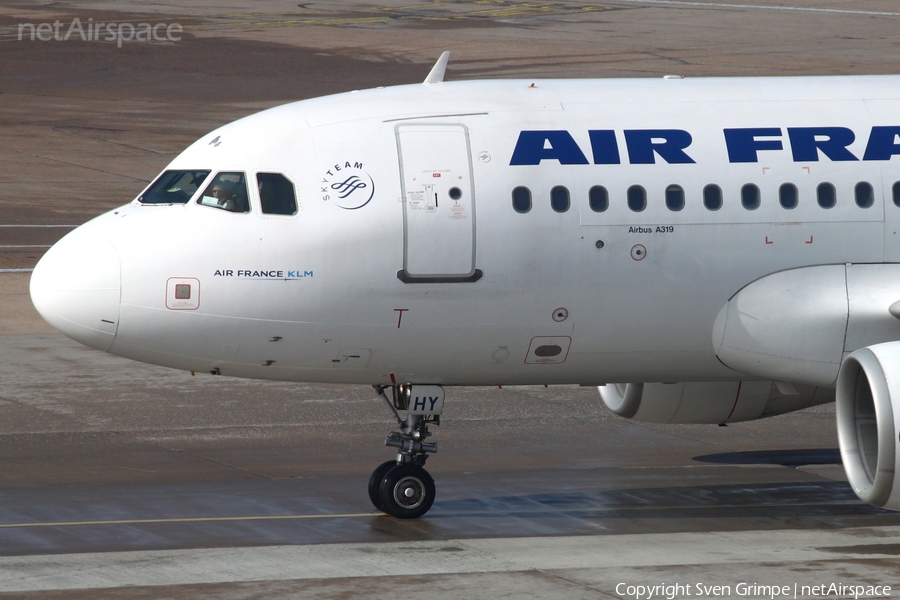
{"points": [[409, 492]]}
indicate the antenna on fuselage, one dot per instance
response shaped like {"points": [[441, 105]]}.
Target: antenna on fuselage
{"points": [[437, 71]]}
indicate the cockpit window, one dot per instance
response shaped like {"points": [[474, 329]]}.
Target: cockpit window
{"points": [[276, 194], [227, 191], [173, 187]]}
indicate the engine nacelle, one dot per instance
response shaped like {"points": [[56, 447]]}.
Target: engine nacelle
{"points": [[868, 421], [712, 402], [798, 325]]}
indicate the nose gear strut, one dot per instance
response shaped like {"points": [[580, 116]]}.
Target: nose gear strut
{"points": [[402, 487]]}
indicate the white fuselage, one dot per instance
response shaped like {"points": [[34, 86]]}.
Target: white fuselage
{"points": [[383, 276]]}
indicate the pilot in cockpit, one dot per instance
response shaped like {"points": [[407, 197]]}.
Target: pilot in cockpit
{"points": [[228, 192], [224, 193]]}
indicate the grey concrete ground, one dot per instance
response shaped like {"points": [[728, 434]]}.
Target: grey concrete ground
{"points": [[124, 480]]}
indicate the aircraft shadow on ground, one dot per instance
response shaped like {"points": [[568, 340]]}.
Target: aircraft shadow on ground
{"points": [[758, 499], [785, 458]]}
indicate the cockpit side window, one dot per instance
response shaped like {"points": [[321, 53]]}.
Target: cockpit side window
{"points": [[173, 187], [276, 194], [227, 191]]}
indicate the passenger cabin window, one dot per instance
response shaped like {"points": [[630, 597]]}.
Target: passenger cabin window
{"points": [[637, 198], [712, 197], [598, 198], [826, 195], [227, 191], [865, 194], [559, 199], [750, 197], [276, 194], [173, 187], [521, 199], [787, 196], [895, 192], [674, 197]]}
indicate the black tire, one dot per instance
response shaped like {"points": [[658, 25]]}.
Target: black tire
{"points": [[375, 483], [407, 492]]}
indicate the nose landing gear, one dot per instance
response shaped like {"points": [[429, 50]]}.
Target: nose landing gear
{"points": [[402, 487]]}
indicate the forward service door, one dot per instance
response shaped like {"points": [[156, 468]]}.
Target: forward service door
{"points": [[438, 203]]}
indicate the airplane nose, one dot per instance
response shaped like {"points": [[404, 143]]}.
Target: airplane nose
{"points": [[76, 287]]}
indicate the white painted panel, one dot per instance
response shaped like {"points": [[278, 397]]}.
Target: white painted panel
{"points": [[426, 400], [439, 230]]}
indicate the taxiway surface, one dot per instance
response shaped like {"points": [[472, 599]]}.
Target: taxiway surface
{"points": [[125, 480]]}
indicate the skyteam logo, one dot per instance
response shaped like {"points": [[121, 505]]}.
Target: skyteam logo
{"points": [[348, 186]]}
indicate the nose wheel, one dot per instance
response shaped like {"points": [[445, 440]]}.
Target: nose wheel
{"points": [[402, 487], [406, 492]]}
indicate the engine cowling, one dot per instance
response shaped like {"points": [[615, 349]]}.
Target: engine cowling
{"points": [[798, 325], [868, 421], [712, 402]]}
